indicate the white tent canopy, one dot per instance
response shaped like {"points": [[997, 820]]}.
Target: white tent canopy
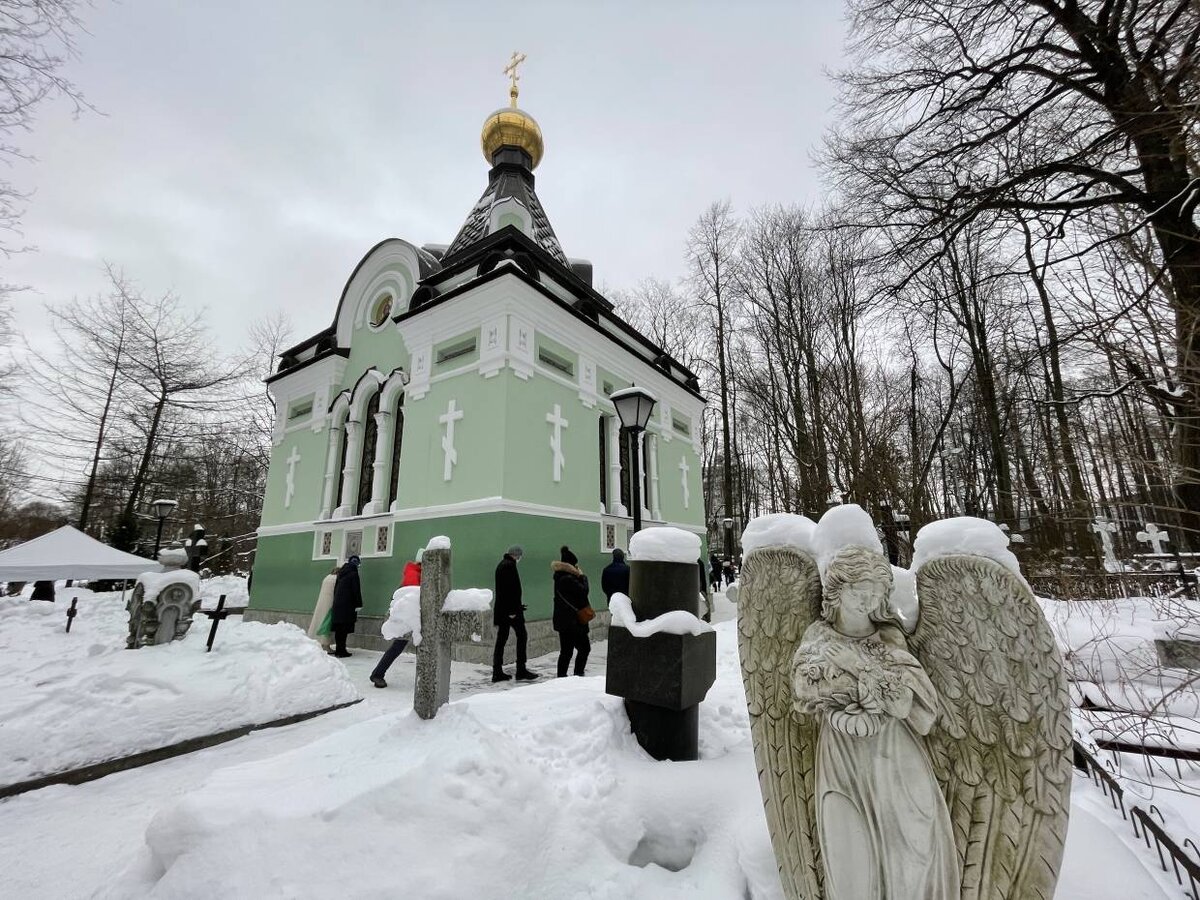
{"points": [[69, 553]]}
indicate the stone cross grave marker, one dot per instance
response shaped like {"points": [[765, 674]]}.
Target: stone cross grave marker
{"points": [[1155, 537], [450, 457], [556, 419], [439, 631], [1106, 530]]}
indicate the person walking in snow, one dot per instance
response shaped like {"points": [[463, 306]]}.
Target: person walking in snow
{"points": [[615, 577], [508, 614], [347, 601], [570, 598], [410, 578], [318, 626], [714, 562]]}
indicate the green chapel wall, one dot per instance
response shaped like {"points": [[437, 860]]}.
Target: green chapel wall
{"points": [[529, 473], [287, 579], [670, 488], [478, 440], [309, 480], [384, 349]]}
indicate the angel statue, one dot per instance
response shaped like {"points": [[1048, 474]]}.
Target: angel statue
{"points": [[926, 767]]}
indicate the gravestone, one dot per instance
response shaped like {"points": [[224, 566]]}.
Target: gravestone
{"points": [[1106, 530], [163, 603], [662, 676], [439, 631]]}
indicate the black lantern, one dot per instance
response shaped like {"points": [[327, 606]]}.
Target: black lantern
{"points": [[634, 406], [162, 509]]}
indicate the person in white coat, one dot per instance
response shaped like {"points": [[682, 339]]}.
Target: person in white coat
{"points": [[324, 602]]}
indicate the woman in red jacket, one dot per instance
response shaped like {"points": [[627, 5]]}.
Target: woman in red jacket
{"points": [[411, 578]]}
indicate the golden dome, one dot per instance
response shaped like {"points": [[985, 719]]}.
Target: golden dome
{"points": [[512, 127]]}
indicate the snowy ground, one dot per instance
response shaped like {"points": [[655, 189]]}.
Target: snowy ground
{"points": [[529, 791], [69, 700]]}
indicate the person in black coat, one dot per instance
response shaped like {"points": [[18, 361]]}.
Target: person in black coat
{"points": [[615, 577], [508, 613], [714, 562], [347, 601], [570, 596]]}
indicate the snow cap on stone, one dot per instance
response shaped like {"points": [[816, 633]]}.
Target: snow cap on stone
{"points": [[441, 542], [903, 600], [675, 621], [844, 526], [664, 544], [404, 615], [468, 600], [963, 536], [779, 530]]}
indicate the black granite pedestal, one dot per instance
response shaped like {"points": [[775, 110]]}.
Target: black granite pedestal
{"points": [[662, 677]]}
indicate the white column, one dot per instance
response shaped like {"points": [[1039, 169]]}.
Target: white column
{"points": [[354, 434], [614, 465], [643, 494], [331, 470], [652, 452], [384, 429]]}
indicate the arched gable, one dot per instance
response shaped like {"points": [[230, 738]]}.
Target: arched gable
{"points": [[392, 268]]}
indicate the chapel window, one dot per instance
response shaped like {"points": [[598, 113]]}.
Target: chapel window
{"points": [[647, 446], [626, 482], [337, 498], [397, 440], [366, 471], [381, 310], [604, 462]]}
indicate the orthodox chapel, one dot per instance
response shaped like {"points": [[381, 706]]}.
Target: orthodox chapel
{"points": [[463, 390]]}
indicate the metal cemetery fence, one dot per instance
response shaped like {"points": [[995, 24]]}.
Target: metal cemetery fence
{"points": [[1144, 826]]}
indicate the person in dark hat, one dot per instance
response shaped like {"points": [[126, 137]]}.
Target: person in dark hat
{"points": [[347, 601], [615, 577], [570, 599], [508, 614]]}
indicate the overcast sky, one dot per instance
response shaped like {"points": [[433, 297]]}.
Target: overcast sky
{"points": [[247, 155]]}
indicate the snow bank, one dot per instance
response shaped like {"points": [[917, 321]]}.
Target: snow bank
{"points": [[664, 544], [675, 622], [154, 582], [549, 772], [843, 526], [69, 700], [468, 600], [404, 615], [441, 542], [232, 586], [779, 530], [964, 535]]}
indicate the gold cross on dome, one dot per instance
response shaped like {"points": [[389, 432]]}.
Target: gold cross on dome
{"points": [[511, 71]]}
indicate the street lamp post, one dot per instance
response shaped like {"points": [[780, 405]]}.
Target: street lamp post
{"points": [[728, 523], [634, 408], [162, 509]]}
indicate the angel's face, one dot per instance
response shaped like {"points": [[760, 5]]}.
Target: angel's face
{"points": [[861, 598]]}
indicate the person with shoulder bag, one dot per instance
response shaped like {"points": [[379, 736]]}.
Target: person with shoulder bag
{"points": [[572, 612]]}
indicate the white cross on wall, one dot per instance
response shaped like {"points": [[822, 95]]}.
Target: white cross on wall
{"points": [[555, 418], [290, 482], [684, 468], [1154, 536], [450, 457]]}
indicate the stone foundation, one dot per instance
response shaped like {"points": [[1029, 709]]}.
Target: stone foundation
{"points": [[543, 638]]}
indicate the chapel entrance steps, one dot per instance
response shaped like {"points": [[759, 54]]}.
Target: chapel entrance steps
{"points": [[543, 638]]}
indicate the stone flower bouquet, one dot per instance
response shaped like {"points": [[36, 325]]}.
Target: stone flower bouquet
{"points": [[856, 683]]}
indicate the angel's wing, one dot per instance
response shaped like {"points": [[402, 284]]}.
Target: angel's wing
{"points": [[1001, 745], [780, 597]]}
